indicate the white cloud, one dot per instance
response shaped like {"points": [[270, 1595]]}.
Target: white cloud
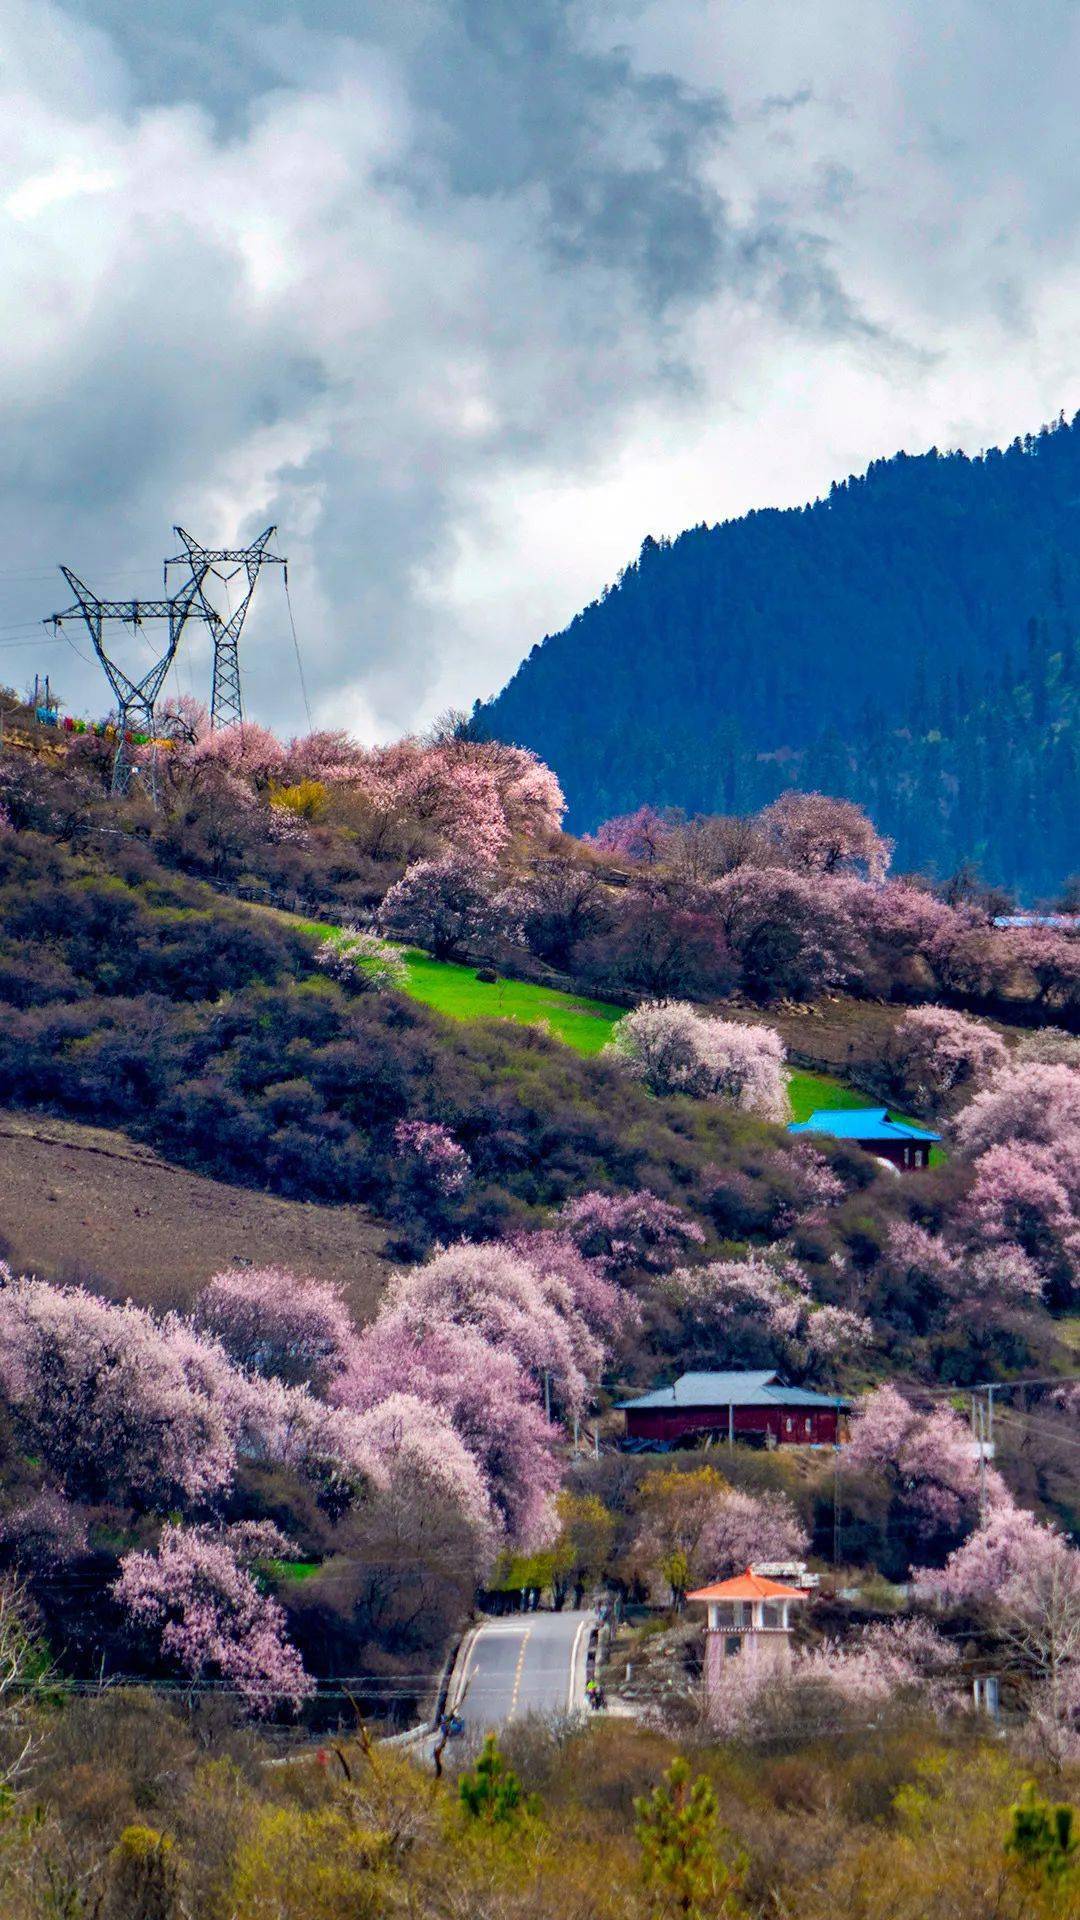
{"points": [[470, 295]]}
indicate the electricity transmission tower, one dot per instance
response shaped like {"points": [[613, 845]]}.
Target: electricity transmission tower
{"points": [[226, 707], [135, 699]]}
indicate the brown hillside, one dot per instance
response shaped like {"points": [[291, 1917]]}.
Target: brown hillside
{"points": [[82, 1204]]}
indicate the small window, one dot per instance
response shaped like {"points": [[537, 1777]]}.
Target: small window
{"points": [[732, 1643], [789, 1423], [809, 1425]]}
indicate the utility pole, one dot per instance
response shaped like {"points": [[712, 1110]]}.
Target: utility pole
{"points": [[226, 705], [979, 1411], [836, 1493], [135, 699]]}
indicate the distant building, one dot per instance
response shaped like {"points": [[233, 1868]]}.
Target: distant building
{"points": [[749, 1618], [875, 1130], [1065, 922], [754, 1407]]}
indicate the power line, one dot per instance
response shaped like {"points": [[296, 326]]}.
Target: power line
{"points": [[296, 649]]}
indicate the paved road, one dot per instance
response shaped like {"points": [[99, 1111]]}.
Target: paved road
{"points": [[525, 1663]]}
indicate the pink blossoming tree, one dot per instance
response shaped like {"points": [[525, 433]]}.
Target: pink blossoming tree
{"points": [[629, 1232], [936, 1052], [101, 1393], [482, 1390], [641, 836], [433, 1156], [673, 1049], [820, 835], [497, 1292], [206, 1616], [759, 1312], [446, 906], [270, 1322], [1035, 1104], [928, 1462]]}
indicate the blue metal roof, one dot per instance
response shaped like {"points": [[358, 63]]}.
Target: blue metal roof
{"points": [[761, 1389], [862, 1123]]}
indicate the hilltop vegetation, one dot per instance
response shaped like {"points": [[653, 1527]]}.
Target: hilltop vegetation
{"points": [[265, 1486], [909, 642]]}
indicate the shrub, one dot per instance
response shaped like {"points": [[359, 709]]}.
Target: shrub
{"points": [[362, 961]]}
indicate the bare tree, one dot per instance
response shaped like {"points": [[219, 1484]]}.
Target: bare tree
{"points": [[1043, 1636], [20, 1669]]}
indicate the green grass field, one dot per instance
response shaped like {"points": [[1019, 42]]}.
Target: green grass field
{"points": [[586, 1025]]}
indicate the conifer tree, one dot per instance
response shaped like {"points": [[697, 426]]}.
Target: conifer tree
{"points": [[681, 1863]]}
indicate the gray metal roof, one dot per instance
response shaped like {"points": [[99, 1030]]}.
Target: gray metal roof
{"points": [[761, 1389]]}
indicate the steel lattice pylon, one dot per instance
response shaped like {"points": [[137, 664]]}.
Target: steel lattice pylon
{"points": [[226, 705], [135, 699]]}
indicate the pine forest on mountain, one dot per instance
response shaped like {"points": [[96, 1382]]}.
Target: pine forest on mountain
{"points": [[909, 642]]}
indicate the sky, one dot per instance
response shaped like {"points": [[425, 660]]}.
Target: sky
{"points": [[469, 296]]}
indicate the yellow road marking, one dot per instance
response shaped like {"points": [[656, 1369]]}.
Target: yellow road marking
{"points": [[517, 1674]]}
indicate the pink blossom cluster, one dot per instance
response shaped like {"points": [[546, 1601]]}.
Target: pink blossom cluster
{"points": [[530, 1313], [936, 1050], [1002, 1562], [102, 1393], [468, 797], [1020, 1224], [861, 1674], [764, 1301], [595, 1287], [45, 1532], [745, 1527], [449, 906], [480, 1389], [821, 835], [298, 1331], [629, 1232], [927, 1458], [642, 836], [672, 1048], [430, 1148], [208, 1617], [815, 920]]}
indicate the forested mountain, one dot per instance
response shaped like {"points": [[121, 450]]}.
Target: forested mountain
{"points": [[908, 642]]}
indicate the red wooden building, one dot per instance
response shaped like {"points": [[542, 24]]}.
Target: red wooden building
{"points": [[753, 1407]]}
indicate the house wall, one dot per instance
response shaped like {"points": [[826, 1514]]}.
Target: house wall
{"points": [[760, 1649], [906, 1155], [795, 1426]]}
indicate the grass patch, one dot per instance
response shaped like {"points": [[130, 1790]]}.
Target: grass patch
{"points": [[294, 1570], [586, 1025], [808, 1091]]}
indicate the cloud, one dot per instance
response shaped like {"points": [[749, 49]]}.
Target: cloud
{"points": [[468, 295]]}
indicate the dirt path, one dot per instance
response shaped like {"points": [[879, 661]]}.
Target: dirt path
{"points": [[83, 1203]]}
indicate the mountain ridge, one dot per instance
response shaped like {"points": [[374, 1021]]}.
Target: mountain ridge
{"points": [[908, 640]]}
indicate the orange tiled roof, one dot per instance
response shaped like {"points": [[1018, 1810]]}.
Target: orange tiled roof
{"points": [[748, 1586]]}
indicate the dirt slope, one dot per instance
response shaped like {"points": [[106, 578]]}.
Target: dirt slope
{"points": [[85, 1204]]}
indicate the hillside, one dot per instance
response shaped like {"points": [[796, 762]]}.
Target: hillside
{"points": [[90, 1205], [908, 642], [339, 1087]]}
